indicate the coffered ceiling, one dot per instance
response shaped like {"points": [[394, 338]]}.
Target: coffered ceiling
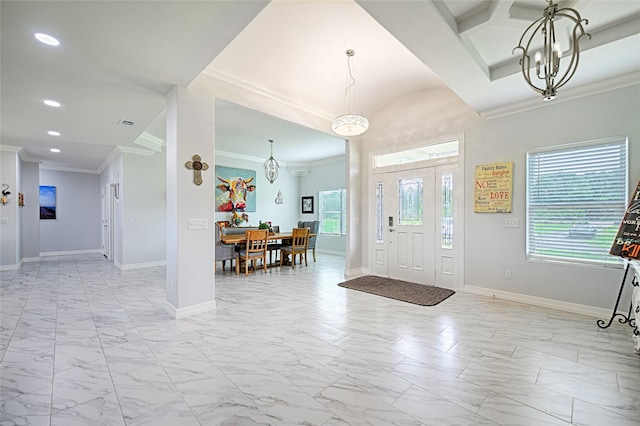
{"points": [[117, 61]]}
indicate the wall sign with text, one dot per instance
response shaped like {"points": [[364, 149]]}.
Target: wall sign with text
{"points": [[493, 188], [627, 242]]}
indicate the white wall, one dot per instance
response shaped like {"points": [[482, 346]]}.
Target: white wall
{"points": [[10, 225], [143, 194], [355, 209], [284, 215], [508, 138], [324, 176], [489, 247], [78, 212], [30, 213], [112, 174]]}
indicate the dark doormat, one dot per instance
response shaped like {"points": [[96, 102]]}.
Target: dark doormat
{"points": [[419, 294]]}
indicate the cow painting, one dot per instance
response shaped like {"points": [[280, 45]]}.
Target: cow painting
{"points": [[234, 190]]}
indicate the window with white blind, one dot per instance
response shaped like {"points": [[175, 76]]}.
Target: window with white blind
{"points": [[576, 198], [333, 212]]}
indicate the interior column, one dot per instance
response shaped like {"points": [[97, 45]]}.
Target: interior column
{"points": [[190, 207]]}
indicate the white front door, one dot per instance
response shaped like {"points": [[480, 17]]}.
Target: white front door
{"points": [[404, 248], [410, 216], [413, 220]]}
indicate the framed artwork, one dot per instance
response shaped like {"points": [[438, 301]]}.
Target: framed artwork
{"points": [[235, 190], [307, 204], [47, 202], [494, 188]]}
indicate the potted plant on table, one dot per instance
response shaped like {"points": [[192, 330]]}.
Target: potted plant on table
{"points": [[265, 225]]}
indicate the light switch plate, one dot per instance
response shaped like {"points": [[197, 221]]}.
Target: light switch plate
{"points": [[198, 224], [512, 223]]}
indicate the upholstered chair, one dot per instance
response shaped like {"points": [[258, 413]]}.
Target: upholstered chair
{"points": [[313, 226], [223, 252]]}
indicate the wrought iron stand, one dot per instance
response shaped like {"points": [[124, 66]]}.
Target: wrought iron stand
{"points": [[636, 330], [624, 319]]}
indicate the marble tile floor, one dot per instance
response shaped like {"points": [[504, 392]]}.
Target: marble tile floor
{"points": [[82, 343]]}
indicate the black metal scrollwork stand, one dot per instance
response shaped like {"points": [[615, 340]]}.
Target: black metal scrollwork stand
{"points": [[623, 318], [634, 322]]}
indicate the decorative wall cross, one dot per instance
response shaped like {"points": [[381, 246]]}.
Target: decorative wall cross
{"points": [[197, 166]]}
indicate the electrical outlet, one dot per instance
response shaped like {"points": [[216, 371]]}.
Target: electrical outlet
{"points": [[507, 274]]}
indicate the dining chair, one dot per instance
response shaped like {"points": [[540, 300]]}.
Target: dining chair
{"points": [[274, 245], [299, 243], [313, 226], [223, 252], [255, 248]]}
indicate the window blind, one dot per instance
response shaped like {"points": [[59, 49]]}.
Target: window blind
{"points": [[333, 212], [576, 198]]}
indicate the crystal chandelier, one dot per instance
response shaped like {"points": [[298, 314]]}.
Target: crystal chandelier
{"points": [[350, 124], [547, 61], [271, 166]]}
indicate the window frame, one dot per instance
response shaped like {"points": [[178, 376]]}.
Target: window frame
{"points": [[342, 212], [594, 252]]}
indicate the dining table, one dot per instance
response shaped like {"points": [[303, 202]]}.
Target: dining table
{"points": [[273, 236], [241, 238]]}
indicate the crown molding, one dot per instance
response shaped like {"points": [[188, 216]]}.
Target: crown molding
{"points": [[261, 91], [10, 148], [150, 141], [621, 82], [245, 157], [136, 151], [119, 149], [68, 169], [112, 156], [328, 160]]}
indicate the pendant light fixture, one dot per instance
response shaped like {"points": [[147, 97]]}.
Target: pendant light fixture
{"points": [[547, 58], [271, 166], [350, 124]]}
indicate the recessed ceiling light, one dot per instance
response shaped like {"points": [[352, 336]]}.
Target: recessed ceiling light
{"points": [[51, 103], [46, 39], [53, 133], [54, 150]]}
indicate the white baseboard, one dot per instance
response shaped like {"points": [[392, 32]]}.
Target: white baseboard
{"points": [[10, 267], [30, 259], [69, 252], [334, 252], [559, 305], [131, 266], [355, 272], [189, 310]]}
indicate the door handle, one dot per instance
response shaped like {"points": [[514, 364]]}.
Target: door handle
{"points": [[392, 230]]}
